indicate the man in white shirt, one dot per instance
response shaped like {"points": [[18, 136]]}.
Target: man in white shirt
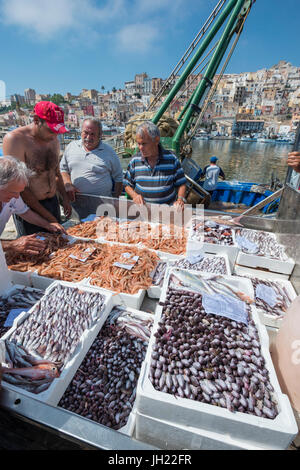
{"points": [[212, 173], [90, 166], [14, 177]]}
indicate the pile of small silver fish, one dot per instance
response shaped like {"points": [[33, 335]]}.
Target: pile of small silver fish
{"points": [[56, 323], [18, 298], [214, 264], [283, 299], [211, 232], [104, 387], [266, 243], [210, 358], [26, 371]]}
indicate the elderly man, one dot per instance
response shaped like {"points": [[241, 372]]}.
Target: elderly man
{"points": [[38, 147], [90, 166], [14, 176], [154, 174]]}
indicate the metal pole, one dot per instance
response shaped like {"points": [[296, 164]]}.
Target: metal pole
{"points": [[195, 59]]}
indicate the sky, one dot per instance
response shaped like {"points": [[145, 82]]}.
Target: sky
{"points": [[61, 46]]}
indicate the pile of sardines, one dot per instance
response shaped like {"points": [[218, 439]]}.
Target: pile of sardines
{"points": [[104, 387], [56, 323], [210, 358], [18, 298]]}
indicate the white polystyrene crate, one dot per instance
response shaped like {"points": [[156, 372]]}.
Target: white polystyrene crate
{"points": [[246, 270], [170, 436], [198, 246], [271, 264], [274, 434], [128, 300], [50, 395], [266, 318], [8, 277], [128, 429], [154, 291]]}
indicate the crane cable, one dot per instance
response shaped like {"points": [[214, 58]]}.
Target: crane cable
{"points": [[214, 87]]}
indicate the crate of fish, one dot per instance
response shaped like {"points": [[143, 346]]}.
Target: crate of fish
{"points": [[205, 262], [122, 270], [259, 249], [14, 302], [168, 435], [246, 271], [208, 363], [103, 386], [43, 345], [272, 298], [212, 237]]}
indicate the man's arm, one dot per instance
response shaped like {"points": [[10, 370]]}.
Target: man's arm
{"points": [[137, 198], [118, 189], [222, 174]]}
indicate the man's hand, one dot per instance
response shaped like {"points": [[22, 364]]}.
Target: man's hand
{"points": [[67, 207], [71, 191], [29, 245], [56, 228], [294, 161], [179, 205], [138, 199]]}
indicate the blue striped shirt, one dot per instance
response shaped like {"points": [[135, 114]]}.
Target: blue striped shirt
{"points": [[159, 184]]}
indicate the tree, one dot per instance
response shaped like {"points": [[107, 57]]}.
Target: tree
{"points": [[57, 99]]}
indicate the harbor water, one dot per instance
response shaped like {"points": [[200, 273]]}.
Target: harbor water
{"points": [[242, 161]]}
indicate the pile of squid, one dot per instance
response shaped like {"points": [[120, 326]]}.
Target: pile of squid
{"points": [[210, 358], [104, 387], [55, 325], [22, 262], [27, 371], [18, 298], [211, 232]]}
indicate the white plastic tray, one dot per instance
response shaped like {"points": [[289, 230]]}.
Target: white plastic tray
{"points": [[273, 434], [50, 395], [196, 246], [266, 318], [154, 291], [169, 436]]}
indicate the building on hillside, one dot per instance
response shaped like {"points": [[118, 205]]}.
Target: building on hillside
{"points": [[30, 96], [244, 126]]}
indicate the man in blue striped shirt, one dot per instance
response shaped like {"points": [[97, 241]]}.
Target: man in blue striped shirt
{"points": [[154, 174]]}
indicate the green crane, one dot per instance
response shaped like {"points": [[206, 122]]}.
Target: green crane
{"points": [[235, 13]]}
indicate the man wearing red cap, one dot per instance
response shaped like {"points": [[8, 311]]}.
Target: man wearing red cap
{"points": [[38, 147]]}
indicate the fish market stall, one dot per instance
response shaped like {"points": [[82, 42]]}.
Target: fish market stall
{"points": [[105, 384]]}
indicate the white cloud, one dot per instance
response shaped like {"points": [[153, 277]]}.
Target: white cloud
{"points": [[137, 38], [147, 6], [49, 18]]}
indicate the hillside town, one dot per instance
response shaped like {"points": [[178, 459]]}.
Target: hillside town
{"points": [[265, 102]]}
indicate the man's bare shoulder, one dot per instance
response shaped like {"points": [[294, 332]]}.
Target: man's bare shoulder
{"points": [[14, 142]]}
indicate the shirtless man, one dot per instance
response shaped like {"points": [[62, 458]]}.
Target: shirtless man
{"points": [[38, 147]]}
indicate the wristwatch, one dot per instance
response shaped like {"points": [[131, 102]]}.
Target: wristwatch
{"points": [[182, 198]]}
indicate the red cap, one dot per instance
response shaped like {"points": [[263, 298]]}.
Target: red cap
{"points": [[52, 114]]}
